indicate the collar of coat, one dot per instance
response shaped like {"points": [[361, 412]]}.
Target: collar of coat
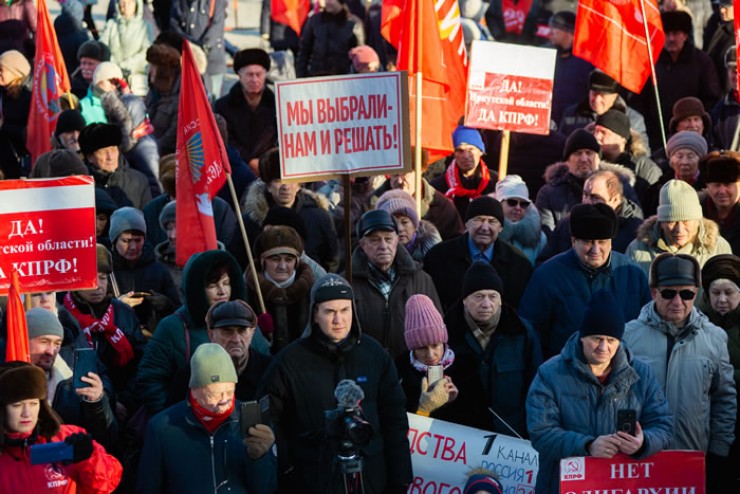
{"points": [[256, 205]]}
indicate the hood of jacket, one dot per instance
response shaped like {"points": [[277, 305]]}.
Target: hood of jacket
{"points": [[706, 238], [650, 317], [313, 331], [525, 231], [194, 281], [621, 369], [256, 203], [139, 14]]}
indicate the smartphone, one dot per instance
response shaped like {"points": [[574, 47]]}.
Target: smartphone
{"points": [[435, 373], [84, 363], [140, 294], [51, 453], [249, 416], [626, 421]]}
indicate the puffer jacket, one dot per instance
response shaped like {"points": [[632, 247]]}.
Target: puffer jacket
{"points": [[650, 243], [126, 186], [693, 367], [325, 41], [567, 407], [526, 234]]}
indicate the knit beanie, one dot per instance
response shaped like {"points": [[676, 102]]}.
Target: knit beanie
{"points": [[251, 56], [686, 107], [686, 139], [424, 325], [167, 215], [278, 240], [485, 206], [721, 266], [602, 82], [580, 139], [58, 163], [720, 167], [331, 287], [98, 136], [68, 121], [467, 135], [103, 258], [21, 381], [678, 201], [106, 71], [104, 203], [674, 270], [211, 364], [512, 187], [363, 58], [125, 219], [396, 201], [565, 20], [603, 316], [482, 480], [481, 276], [15, 63], [616, 121], [593, 222], [94, 49], [43, 322]]}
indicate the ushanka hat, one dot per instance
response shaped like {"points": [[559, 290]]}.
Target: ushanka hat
{"points": [[593, 222]]}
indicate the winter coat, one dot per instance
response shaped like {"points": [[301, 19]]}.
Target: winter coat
{"points": [[166, 256], [320, 243], [301, 383], [729, 228], [163, 110], [71, 33], [461, 203], [526, 234], [128, 40], [722, 39], [447, 263], [18, 27], [650, 243], [325, 42], [567, 408], [425, 237], [560, 289], [251, 131], [570, 84], [91, 107], [14, 114], [281, 36], [694, 369], [495, 377], [725, 119], [99, 474], [192, 20], [178, 450], [126, 186], [382, 318]]}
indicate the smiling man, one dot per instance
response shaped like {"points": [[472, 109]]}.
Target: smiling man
{"points": [[721, 172]]}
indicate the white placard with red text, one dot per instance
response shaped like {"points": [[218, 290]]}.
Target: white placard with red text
{"points": [[510, 87], [442, 453], [47, 233], [664, 472], [355, 124]]}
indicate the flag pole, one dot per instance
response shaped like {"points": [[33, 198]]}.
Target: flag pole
{"points": [[418, 79], [252, 268], [654, 77], [503, 160]]}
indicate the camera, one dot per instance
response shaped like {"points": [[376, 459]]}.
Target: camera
{"points": [[348, 425]]}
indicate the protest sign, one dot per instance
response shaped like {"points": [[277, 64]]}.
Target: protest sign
{"points": [[47, 233], [342, 125], [510, 87], [667, 471], [442, 453]]}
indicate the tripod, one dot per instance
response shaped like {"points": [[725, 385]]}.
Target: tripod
{"points": [[350, 467]]}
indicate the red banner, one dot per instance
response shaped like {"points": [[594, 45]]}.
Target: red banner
{"points": [[47, 234], [50, 81], [667, 471], [201, 164], [292, 13], [16, 325]]}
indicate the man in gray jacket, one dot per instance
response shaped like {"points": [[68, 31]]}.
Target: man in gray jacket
{"points": [[690, 358]]}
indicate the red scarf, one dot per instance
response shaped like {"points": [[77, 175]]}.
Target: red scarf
{"points": [[211, 421], [105, 325], [455, 187], [515, 13]]}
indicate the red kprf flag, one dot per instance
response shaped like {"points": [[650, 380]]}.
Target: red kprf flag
{"points": [[50, 81], [17, 328], [292, 13], [202, 164], [611, 35]]}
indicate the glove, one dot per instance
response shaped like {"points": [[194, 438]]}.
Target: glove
{"points": [[82, 446], [432, 398], [259, 441], [264, 321]]}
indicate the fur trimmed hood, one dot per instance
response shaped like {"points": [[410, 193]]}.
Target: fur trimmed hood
{"points": [[558, 172], [256, 204], [526, 231], [706, 240]]}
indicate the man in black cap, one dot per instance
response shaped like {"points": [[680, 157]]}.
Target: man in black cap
{"points": [[67, 132], [556, 298], [720, 171], [249, 107], [447, 262], [89, 54], [384, 276]]}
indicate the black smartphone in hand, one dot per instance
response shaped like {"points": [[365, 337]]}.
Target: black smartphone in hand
{"points": [[627, 421], [84, 363], [250, 415]]}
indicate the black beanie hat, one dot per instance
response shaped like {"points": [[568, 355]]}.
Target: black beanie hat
{"points": [[485, 206], [97, 136], [677, 20], [68, 121], [564, 20], [251, 56], [616, 121], [94, 49], [481, 276], [593, 222], [580, 139], [722, 266], [603, 316]]}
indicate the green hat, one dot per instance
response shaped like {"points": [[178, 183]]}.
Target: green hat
{"points": [[211, 364]]}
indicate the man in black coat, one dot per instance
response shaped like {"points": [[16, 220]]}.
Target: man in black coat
{"points": [[447, 262]]}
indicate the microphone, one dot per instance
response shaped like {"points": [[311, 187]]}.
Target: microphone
{"points": [[348, 394]]}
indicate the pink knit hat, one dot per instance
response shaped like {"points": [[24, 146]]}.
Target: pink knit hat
{"points": [[424, 325]]}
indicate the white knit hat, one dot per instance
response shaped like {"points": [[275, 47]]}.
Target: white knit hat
{"points": [[678, 202], [106, 71], [512, 186]]}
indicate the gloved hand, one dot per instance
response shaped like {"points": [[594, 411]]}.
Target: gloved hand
{"points": [[432, 398], [259, 441], [264, 321], [82, 446]]}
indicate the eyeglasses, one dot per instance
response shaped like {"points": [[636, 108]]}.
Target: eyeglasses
{"points": [[669, 294], [523, 203]]}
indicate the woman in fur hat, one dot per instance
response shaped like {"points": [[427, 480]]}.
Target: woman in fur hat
{"points": [[27, 419]]}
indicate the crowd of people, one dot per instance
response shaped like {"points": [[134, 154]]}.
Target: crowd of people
{"points": [[600, 274]]}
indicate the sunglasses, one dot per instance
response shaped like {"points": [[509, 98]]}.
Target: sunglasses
{"points": [[671, 294], [524, 204]]}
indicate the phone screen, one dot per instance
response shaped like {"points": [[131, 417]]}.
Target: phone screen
{"points": [[84, 363], [250, 415], [435, 373], [626, 421]]}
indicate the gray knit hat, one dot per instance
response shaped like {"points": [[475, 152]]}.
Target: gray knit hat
{"points": [[42, 322], [211, 364], [687, 139], [396, 201], [125, 219], [167, 215], [678, 202]]}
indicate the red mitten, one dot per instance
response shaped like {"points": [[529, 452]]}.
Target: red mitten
{"points": [[264, 321]]}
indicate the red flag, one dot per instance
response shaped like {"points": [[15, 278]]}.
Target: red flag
{"points": [[611, 35], [292, 13], [17, 329], [202, 164], [438, 52], [50, 81]]}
